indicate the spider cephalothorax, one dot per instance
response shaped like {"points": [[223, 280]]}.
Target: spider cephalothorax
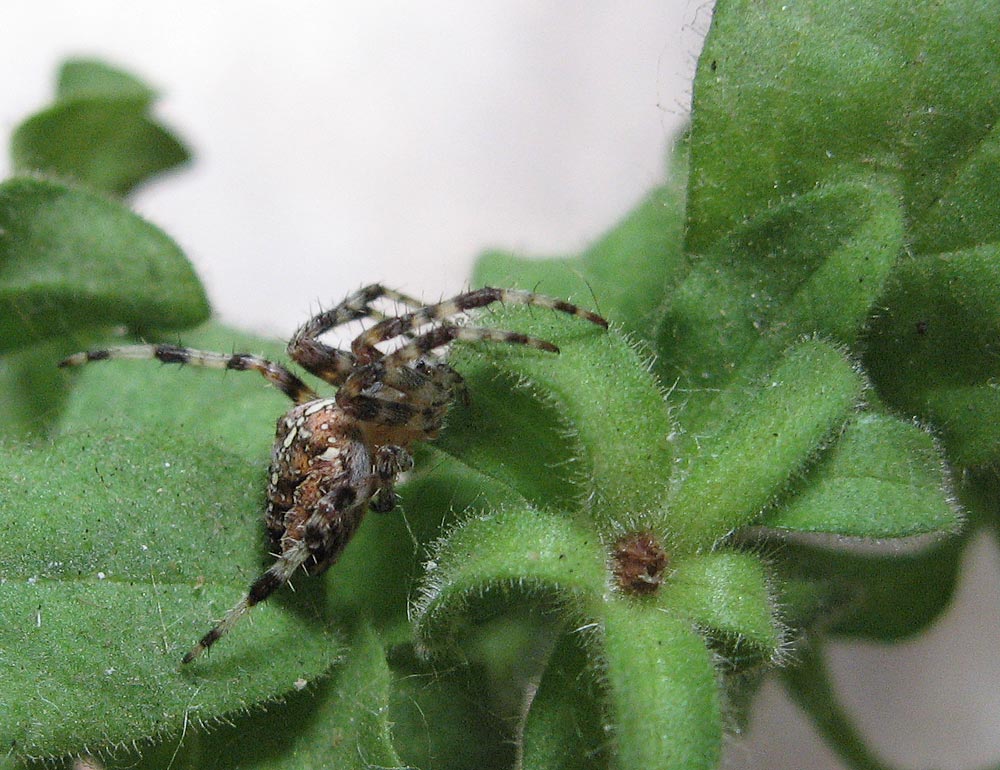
{"points": [[336, 457]]}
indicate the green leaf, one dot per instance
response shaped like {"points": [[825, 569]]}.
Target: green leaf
{"points": [[817, 90], [883, 478], [779, 428], [565, 724], [70, 259], [626, 469], [661, 685], [32, 390], [931, 352], [98, 133], [81, 78], [446, 717], [235, 412], [114, 564], [342, 720], [727, 594], [886, 596], [534, 551], [813, 264], [501, 434], [816, 93]]}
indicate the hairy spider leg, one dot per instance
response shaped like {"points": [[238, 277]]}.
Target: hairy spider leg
{"points": [[276, 576], [319, 525], [276, 374], [426, 419], [329, 363], [363, 345]]}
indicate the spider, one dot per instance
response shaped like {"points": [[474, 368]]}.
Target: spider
{"points": [[334, 458]]}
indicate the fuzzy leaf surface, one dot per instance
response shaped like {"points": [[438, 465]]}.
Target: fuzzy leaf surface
{"points": [[727, 594], [624, 467], [564, 729], [904, 94], [662, 690], [883, 478], [114, 565], [931, 354], [813, 264], [532, 551], [803, 401], [815, 91]]}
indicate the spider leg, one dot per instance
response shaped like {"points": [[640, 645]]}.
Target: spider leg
{"points": [[276, 576], [446, 333], [326, 525], [276, 374], [363, 345], [390, 461], [329, 363]]}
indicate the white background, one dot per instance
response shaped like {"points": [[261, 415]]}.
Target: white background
{"points": [[343, 143]]}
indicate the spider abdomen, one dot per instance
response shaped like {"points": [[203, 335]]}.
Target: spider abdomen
{"points": [[320, 482]]}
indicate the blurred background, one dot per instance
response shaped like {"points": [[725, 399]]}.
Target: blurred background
{"points": [[338, 144]]}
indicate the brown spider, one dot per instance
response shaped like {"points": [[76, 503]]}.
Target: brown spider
{"points": [[334, 458]]}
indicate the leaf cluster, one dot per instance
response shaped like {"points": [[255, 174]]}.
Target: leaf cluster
{"points": [[800, 358]]}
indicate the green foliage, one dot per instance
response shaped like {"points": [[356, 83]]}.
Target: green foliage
{"points": [[74, 263], [606, 549], [99, 132]]}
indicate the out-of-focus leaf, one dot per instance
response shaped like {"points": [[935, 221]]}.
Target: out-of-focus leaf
{"points": [[82, 78], [71, 259], [98, 133]]}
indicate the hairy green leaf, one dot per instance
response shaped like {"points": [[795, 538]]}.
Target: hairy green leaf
{"points": [[813, 264], [815, 91], [661, 686], [931, 354], [597, 374], [446, 717], [233, 411], [565, 725], [727, 594], [341, 720], [114, 565], [883, 478], [781, 426], [533, 551]]}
